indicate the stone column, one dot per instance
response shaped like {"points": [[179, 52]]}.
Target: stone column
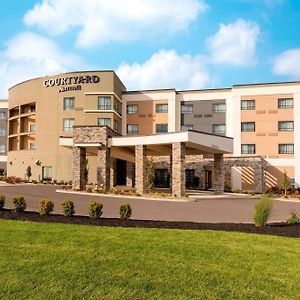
{"points": [[103, 169], [178, 169], [218, 176], [113, 165], [129, 174], [79, 158], [140, 168], [258, 178]]}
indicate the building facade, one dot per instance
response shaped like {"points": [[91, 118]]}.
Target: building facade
{"points": [[262, 119], [3, 136]]}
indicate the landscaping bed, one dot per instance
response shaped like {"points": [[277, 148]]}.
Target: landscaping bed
{"points": [[280, 229]]}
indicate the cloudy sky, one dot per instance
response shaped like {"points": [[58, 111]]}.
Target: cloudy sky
{"points": [[182, 44]]}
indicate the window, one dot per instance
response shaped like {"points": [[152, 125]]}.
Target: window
{"points": [[219, 129], [104, 103], [2, 148], [285, 103], [161, 108], [248, 149], [117, 106], [116, 125], [69, 103], [132, 109], [132, 128], [47, 173], [32, 146], [186, 127], [68, 124], [160, 128], [104, 121], [2, 114], [162, 178], [32, 127], [186, 108], [2, 131], [219, 107], [248, 127], [286, 148], [285, 126], [247, 104]]}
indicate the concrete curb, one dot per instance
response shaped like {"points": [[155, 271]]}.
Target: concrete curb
{"points": [[126, 196]]}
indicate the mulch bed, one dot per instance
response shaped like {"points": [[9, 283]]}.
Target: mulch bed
{"points": [[280, 229]]}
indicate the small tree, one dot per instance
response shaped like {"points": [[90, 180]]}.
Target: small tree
{"points": [[125, 211], [286, 184], [86, 172], [28, 172], [149, 176]]}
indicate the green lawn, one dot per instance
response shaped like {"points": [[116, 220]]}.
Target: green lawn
{"points": [[54, 261]]}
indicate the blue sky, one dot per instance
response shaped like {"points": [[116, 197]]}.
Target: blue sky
{"points": [[182, 44]]}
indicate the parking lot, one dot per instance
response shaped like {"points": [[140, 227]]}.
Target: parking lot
{"points": [[203, 207]]}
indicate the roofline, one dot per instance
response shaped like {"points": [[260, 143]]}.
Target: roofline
{"points": [[266, 83], [205, 90], [149, 91], [72, 72]]}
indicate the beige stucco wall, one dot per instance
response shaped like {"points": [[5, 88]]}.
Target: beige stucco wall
{"points": [[49, 117]]}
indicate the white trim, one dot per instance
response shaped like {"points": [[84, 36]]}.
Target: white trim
{"points": [[3, 103], [281, 162], [88, 145], [66, 141], [102, 111], [3, 158]]}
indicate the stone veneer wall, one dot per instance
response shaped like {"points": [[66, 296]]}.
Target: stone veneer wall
{"points": [[92, 135]]}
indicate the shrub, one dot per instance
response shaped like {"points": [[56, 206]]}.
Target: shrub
{"points": [[68, 208], [19, 204], [46, 207], [293, 219], [34, 181], [2, 201], [125, 211], [95, 210], [13, 179], [262, 211]]}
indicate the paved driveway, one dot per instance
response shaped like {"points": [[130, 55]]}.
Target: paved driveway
{"points": [[215, 210]]}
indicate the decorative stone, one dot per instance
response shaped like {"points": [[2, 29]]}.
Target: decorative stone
{"points": [[178, 169], [140, 168]]}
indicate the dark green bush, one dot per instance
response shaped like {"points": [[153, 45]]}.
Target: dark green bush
{"points": [[68, 208], [262, 211], [95, 210], [19, 204], [2, 201], [125, 211], [46, 207], [293, 219]]}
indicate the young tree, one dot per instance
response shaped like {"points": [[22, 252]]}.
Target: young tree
{"points": [[149, 176], [28, 172], [286, 184], [86, 172]]}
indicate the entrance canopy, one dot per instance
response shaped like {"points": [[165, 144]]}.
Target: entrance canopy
{"points": [[196, 143]]}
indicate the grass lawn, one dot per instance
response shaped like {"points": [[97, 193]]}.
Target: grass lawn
{"points": [[55, 261]]}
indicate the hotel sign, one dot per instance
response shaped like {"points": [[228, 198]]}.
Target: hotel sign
{"points": [[70, 83]]}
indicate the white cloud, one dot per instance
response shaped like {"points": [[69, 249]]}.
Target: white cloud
{"points": [[235, 43], [166, 69], [287, 63], [29, 55], [102, 21]]}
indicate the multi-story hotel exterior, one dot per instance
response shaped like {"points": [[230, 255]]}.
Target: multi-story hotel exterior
{"points": [[48, 117], [3, 136]]}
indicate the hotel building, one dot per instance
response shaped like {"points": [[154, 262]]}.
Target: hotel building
{"points": [[243, 137]]}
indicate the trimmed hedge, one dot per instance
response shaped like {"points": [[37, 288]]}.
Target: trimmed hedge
{"points": [[46, 207], [68, 209], [95, 210], [125, 211], [19, 204], [2, 201]]}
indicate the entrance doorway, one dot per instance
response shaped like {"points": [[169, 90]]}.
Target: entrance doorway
{"points": [[191, 181], [208, 181], [121, 172]]}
